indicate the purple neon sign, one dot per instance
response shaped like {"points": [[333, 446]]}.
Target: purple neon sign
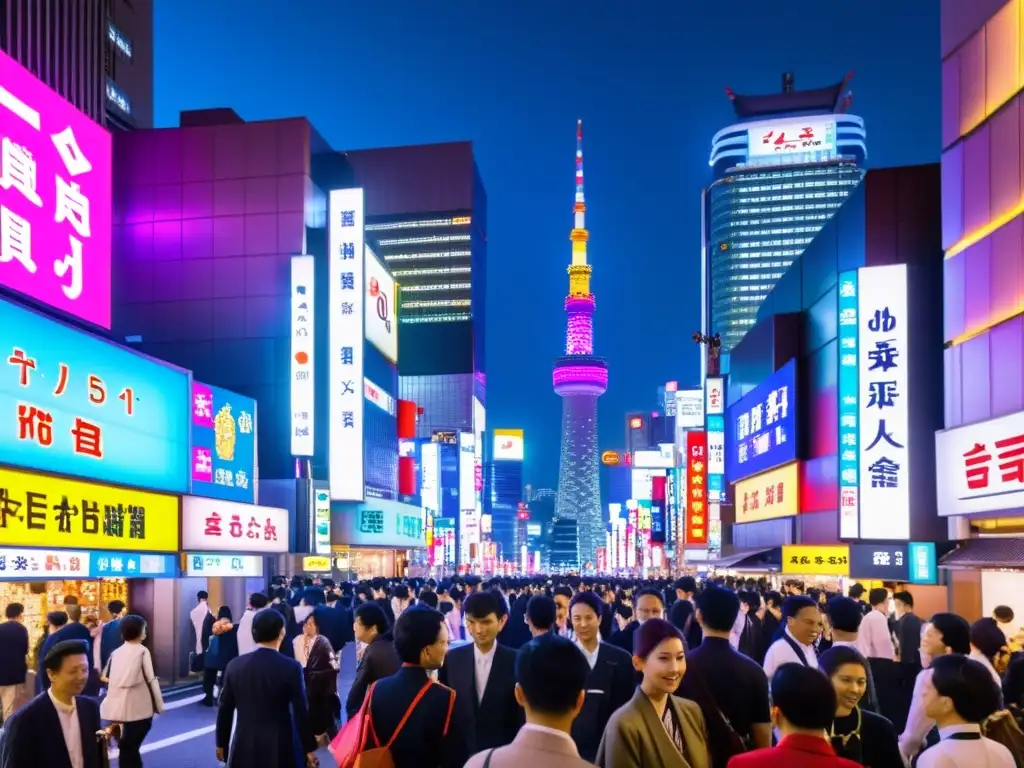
{"points": [[55, 206], [580, 374]]}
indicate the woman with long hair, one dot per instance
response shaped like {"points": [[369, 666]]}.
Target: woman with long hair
{"points": [[222, 648], [314, 652]]}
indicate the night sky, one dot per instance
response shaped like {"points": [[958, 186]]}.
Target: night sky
{"points": [[513, 77]]}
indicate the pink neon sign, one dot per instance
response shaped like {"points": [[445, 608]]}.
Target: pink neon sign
{"points": [[55, 206]]}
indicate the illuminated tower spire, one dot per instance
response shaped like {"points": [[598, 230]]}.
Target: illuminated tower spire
{"points": [[580, 378]]}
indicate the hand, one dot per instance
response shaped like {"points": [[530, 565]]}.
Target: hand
{"points": [[112, 731], [220, 755], [312, 760]]}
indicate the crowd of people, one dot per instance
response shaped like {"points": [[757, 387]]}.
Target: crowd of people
{"points": [[567, 670]]}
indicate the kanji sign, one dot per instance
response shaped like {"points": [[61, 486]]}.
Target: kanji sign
{"points": [[980, 467], [807, 135], [775, 493], [887, 562], [849, 411], [384, 523], [211, 564], [883, 357], [714, 389], [227, 526], [17, 564], [762, 426], [223, 444], [813, 560], [55, 198], [132, 565], [696, 507], [44, 511], [303, 388], [346, 295], [72, 403]]}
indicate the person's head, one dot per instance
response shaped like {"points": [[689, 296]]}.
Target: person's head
{"points": [[685, 587], [717, 609], [585, 614], [551, 680], [15, 612], [857, 591], [1003, 614], [224, 612], [848, 671], [878, 598], [74, 613], [959, 690], [541, 614], [750, 601], [115, 608], [268, 629], [428, 598], [56, 620], [649, 604], [311, 626], [257, 601], [421, 637], [946, 633], [773, 602], [845, 615], [803, 700], [67, 666], [989, 640], [803, 620], [563, 596], [624, 615], [903, 602], [369, 623], [133, 628], [486, 615], [659, 655], [202, 596]]}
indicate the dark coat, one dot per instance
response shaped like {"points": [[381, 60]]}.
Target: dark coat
{"points": [[269, 694], [335, 624], [497, 718], [610, 685], [623, 638], [13, 653], [110, 640], [32, 737], [380, 660], [434, 736]]}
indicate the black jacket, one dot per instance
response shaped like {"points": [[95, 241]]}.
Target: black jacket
{"points": [[13, 653], [379, 660], [623, 639], [433, 736], [610, 684], [32, 737], [496, 719], [335, 625]]}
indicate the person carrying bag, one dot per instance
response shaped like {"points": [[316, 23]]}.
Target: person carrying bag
{"points": [[357, 745]]}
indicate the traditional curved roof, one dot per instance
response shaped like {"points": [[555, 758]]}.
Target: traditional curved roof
{"points": [[828, 99]]}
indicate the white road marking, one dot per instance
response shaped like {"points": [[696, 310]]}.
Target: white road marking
{"points": [[170, 741]]}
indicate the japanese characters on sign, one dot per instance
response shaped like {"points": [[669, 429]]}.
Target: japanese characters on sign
{"points": [[17, 564], [791, 138], [884, 412], [316, 564], [696, 509], [322, 521], [385, 523], [55, 199], [815, 560], [924, 567], [849, 410], [980, 467], [303, 388], [469, 520], [227, 526], [888, 562], [689, 406], [763, 426], [223, 444], [642, 482], [346, 264], [508, 445], [714, 389], [132, 565], [381, 307], [211, 564], [772, 494], [43, 511]]}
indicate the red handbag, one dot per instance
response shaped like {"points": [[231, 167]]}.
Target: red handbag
{"points": [[352, 746]]}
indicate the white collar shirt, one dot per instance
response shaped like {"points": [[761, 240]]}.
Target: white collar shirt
{"points": [[69, 726], [551, 732], [484, 662], [972, 753], [874, 638], [590, 656], [918, 723], [781, 653]]}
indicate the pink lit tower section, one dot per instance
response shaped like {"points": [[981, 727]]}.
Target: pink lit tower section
{"points": [[579, 379]]}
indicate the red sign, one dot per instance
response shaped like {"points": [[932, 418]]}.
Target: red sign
{"points": [[696, 488], [636, 422]]}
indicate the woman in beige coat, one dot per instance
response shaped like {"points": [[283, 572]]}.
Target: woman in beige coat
{"points": [[656, 729]]}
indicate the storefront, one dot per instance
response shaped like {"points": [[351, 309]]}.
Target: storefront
{"points": [[377, 538], [825, 566]]}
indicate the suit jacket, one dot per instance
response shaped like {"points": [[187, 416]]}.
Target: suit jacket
{"points": [[269, 694], [425, 741], [624, 637], [380, 660], [610, 685], [794, 751], [496, 718], [111, 640], [73, 630], [533, 748], [335, 625], [13, 653], [636, 738], [33, 737]]}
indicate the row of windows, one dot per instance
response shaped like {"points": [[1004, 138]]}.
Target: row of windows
{"points": [[419, 240], [429, 303], [786, 209], [830, 170], [458, 221], [733, 222], [436, 287], [739, 231], [739, 200], [443, 318], [397, 273], [742, 187], [726, 269], [748, 245], [426, 255]]}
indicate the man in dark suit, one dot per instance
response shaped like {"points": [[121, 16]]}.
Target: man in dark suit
{"points": [[267, 690], [110, 635], [483, 675], [44, 732], [434, 735], [335, 622], [379, 659], [649, 604], [13, 657]]}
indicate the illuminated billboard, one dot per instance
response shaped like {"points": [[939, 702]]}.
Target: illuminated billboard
{"points": [[762, 426], [689, 408], [381, 307], [303, 389], [772, 494], [508, 445], [469, 526], [849, 412], [803, 135]]}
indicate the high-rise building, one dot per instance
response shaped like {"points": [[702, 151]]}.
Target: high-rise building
{"points": [[779, 173], [565, 545], [97, 55], [580, 378]]}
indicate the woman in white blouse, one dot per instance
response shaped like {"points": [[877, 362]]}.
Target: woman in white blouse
{"points": [[133, 692]]}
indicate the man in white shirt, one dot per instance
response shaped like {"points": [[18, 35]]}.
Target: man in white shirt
{"points": [[257, 602], [875, 637], [585, 615], [801, 629], [958, 695], [197, 616]]}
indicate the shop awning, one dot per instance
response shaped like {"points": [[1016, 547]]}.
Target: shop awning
{"points": [[996, 552], [750, 560]]}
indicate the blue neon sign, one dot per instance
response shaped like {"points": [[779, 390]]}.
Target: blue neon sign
{"points": [[223, 444], [849, 411], [761, 427], [75, 404], [128, 565]]}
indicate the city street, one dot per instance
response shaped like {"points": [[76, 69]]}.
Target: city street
{"points": [[183, 737]]}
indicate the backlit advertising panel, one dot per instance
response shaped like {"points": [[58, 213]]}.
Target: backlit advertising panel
{"points": [[223, 444], [696, 488], [346, 243], [225, 526], [74, 404], [55, 199], [508, 445], [322, 521], [772, 494], [479, 425], [978, 467], [303, 388], [689, 408], [381, 307], [430, 481], [849, 410], [884, 411], [469, 526], [792, 138], [380, 442], [643, 482], [714, 391], [762, 426]]}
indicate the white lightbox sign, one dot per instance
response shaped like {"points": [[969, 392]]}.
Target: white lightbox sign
{"points": [[980, 467], [381, 307], [303, 390]]}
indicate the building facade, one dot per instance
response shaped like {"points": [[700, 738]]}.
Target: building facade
{"points": [[778, 175], [97, 55]]}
